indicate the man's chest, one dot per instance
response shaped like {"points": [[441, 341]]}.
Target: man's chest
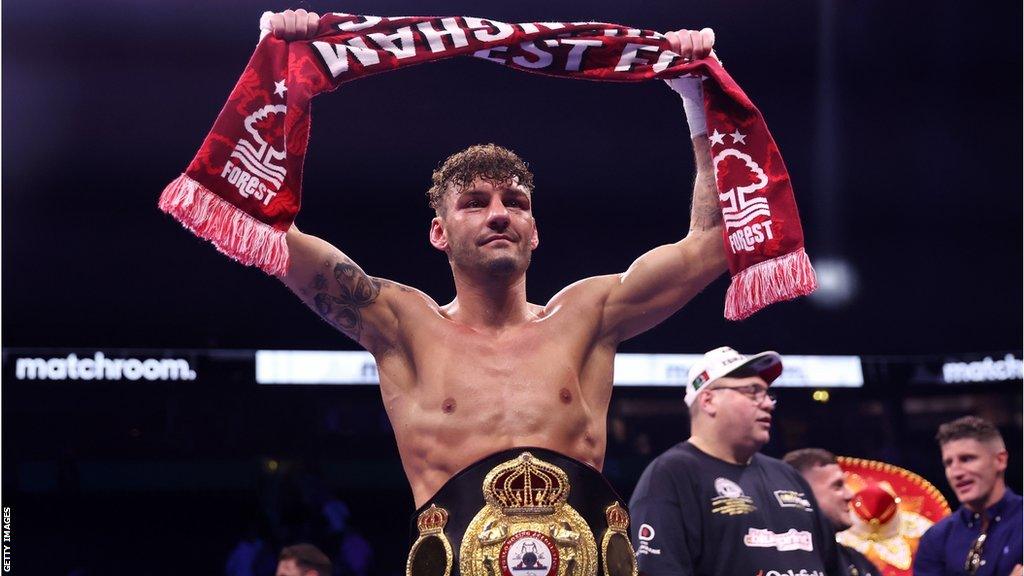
{"points": [[521, 375], [1001, 550], [751, 498], [764, 522], [522, 358]]}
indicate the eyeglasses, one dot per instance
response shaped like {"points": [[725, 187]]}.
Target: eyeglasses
{"points": [[973, 561], [755, 392]]}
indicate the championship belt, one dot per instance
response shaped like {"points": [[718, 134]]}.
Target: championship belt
{"points": [[523, 512]]}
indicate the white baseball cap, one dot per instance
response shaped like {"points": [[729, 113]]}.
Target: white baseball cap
{"points": [[725, 361]]}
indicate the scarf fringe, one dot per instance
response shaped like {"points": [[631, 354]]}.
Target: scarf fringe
{"points": [[768, 282], [234, 233]]}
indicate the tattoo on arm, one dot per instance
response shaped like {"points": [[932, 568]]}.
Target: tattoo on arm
{"points": [[320, 281], [389, 284], [354, 292], [705, 213]]}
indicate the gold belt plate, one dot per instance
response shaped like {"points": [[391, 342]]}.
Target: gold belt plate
{"points": [[527, 527]]}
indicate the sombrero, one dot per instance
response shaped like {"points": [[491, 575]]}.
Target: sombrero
{"points": [[891, 509]]}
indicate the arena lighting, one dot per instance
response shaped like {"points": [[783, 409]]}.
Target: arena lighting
{"points": [[346, 368], [837, 282]]}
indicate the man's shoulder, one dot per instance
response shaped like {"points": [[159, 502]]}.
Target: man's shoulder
{"points": [[769, 462], [1015, 501], [863, 564], [775, 465], [931, 549], [674, 462], [665, 476], [949, 521], [778, 471], [584, 293], [682, 453], [850, 551], [940, 529]]}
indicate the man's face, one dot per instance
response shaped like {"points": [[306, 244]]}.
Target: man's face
{"points": [[290, 568], [487, 226], [743, 410], [974, 470], [831, 493]]}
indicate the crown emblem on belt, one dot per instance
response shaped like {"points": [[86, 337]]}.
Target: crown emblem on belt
{"points": [[432, 520], [618, 518], [526, 485]]}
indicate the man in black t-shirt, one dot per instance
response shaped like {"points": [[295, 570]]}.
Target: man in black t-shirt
{"points": [[821, 470], [712, 505]]}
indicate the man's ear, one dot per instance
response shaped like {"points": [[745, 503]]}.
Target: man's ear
{"points": [[1001, 458], [709, 403], [535, 238], [438, 237]]}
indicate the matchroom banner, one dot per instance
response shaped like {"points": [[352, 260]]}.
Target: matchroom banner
{"points": [[982, 369], [996, 370], [127, 366]]}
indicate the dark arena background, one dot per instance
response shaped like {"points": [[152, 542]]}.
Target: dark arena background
{"points": [[899, 122]]}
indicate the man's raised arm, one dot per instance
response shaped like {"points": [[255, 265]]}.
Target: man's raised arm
{"points": [[661, 281], [328, 281], [336, 288]]}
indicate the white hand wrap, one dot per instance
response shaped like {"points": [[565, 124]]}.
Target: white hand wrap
{"points": [[690, 90], [265, 24]]}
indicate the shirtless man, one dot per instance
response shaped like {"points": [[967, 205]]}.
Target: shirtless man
{"points": [[491, 371]]}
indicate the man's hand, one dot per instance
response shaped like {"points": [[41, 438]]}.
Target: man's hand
{"points": [[692, 44], [294, 24]]}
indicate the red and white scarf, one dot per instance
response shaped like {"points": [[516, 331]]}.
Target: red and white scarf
{"points": [[242, 190]]}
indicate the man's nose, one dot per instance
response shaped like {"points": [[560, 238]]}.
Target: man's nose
{"points": [[497, 216]]}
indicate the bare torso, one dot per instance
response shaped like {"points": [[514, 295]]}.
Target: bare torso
{"points": [[455, 394], [541, 376], [490, 371]]}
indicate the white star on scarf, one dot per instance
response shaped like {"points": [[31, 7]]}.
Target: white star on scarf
{"points": [[280, 88], [717, 138], [738, 137]]}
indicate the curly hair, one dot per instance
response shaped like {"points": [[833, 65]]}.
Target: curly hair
{"points": [[968, 427], [486, 161]]}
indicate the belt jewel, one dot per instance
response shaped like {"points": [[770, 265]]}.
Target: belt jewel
{"points": [[617, 556], [431, 554], [526, 527]]}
